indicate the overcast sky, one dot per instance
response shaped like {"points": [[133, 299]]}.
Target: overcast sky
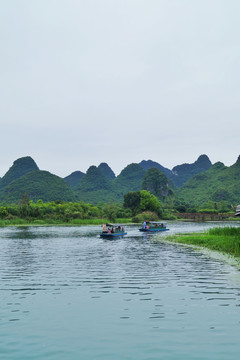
{"points": [[119, 81]]}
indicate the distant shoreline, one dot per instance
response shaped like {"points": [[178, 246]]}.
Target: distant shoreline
{"points": [[80, 222]]}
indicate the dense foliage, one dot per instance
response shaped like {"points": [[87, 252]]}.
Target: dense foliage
{"points": [[74, 178], [19, 168], [94, 180], [130, 179], [94, 187], [140, 201], [60, 212], [219, 184], [106, 171], [185, 171], [149, 164], [156, 183], [214, 190], [37, 184]]}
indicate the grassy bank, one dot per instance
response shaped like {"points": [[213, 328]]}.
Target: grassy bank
{"points": [[226, 239], [48, 222]]}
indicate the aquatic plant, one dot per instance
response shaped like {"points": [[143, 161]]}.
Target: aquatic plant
{"points": [[225, 239]]}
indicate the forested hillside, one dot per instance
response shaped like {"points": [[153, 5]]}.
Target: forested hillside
{"points": [[19, 168], [74, 178], [37, 185], [200, 184], [218, 184], [180, 173]]}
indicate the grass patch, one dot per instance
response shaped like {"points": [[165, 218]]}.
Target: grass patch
{"points": [[75, 222], [226, 240]]}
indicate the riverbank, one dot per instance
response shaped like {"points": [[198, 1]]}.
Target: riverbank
{"points": [[58, 222], [225, 240]]}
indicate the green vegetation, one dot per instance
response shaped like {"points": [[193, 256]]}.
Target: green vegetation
{"points": [[218, 184], [185, 171], [106, 171], [59, 212], [156, 183], [19, 168], [130, 179], [210, 188], [226, 240], [149, 164], [139, 201], [38, 184], [99, 185], [94, 187], [74, 178], [26, 211], [145, 215]]}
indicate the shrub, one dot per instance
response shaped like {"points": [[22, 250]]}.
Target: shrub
{"points": [[145, 216]]}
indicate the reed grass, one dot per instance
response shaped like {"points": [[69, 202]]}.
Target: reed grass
{"points": [[226, 239], [74, 222]]}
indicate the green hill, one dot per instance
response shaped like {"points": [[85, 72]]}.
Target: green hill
{"points": [[19, 168], [201, 182], [107, 171], [182, 173], [94, 187], [219, 183], [156, 183], [74, 178], [130, 179], [38, 185], [148, 164]]}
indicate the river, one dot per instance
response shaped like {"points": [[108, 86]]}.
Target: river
{"points": [[68, 294]]}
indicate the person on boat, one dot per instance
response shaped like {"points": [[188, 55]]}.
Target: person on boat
{"points": [[104, 228], [112, 231], [144, 224]]}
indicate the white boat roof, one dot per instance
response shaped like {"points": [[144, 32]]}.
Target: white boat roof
{"points": [[155, 222], [108, 224]]}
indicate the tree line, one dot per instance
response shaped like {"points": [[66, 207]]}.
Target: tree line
{"points": [[135, 203], [137, 207]]}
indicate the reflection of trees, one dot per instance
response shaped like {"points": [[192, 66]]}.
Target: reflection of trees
{"points": [[21, 259]]}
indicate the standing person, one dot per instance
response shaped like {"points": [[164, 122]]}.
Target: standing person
{"points": [[144, 224]]}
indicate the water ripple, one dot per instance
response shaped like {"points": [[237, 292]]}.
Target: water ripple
{"points": [[69, 282]]}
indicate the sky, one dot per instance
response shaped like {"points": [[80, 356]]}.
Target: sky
{"points": [[90, 81]]}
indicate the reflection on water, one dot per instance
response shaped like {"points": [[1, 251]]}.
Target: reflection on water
{"points": [[68, 294]]}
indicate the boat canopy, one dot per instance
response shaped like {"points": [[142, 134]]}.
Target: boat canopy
{"points": [[154, 222]]}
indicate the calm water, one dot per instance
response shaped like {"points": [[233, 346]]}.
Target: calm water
{"points": [[68, 294]]}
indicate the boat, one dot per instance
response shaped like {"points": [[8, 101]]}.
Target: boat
{"points": [[237, 211], [111, 231], [153, 226]]}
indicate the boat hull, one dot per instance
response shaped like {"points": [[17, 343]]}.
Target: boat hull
{"points": [[153, 230], [112, 235]]}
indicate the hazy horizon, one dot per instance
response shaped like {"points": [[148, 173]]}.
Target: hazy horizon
{"points": [[85, 82], [116, 173]]}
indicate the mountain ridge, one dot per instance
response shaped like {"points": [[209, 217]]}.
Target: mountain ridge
{"points": [[214, 182]]}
